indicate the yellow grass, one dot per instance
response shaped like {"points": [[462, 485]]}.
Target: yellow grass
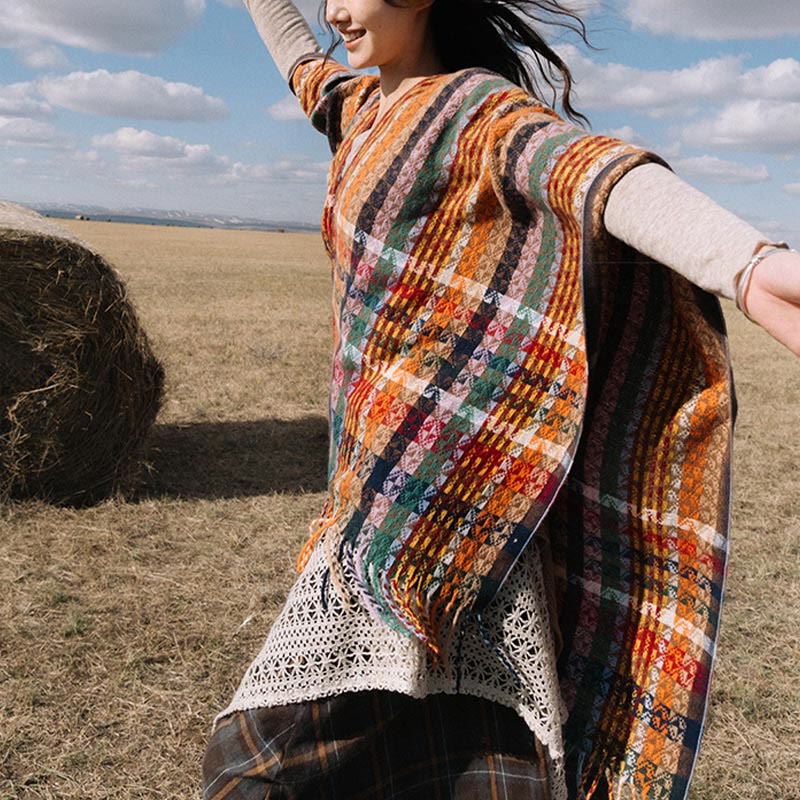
{"points": [[125, 627]]}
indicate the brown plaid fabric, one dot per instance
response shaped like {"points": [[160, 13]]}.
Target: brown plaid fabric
{"points": [[376, 746]]}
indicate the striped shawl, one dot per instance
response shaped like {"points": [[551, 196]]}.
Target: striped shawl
{"points": [[500, 359]]}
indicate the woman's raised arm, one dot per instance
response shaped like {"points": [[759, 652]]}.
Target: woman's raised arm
{"points": [[284, 31], [658, 214]]}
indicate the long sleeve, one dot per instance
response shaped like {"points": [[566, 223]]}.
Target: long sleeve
{"points": [[660, 215], [284, 31]]}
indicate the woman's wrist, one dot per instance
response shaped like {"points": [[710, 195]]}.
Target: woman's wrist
{"points": [[744, 277], [772, 299]]}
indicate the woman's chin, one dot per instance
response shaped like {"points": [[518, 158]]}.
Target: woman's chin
{"points": [[358, 54], [357, 62]]}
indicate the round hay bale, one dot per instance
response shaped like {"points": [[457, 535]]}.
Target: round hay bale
{"points": [[79, 384]]}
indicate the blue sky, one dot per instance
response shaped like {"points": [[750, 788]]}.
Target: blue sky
{"points": [[174, 104]]}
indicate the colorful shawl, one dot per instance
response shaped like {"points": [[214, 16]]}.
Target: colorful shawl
{"points": [[499, 357]]}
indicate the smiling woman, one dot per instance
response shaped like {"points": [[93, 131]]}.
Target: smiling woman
{"points": [[454, 37], [516, 578]]}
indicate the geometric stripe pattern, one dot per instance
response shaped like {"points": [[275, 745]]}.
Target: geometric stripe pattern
{"points": [[498, 358], [642, 529]]}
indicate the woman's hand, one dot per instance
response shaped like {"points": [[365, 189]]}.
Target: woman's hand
{"points": [[773, 297]]}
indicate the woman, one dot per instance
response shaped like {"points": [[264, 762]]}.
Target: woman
{"points": [[514, 586]]}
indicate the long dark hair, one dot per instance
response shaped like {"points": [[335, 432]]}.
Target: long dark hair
{"points": [[500, 35]]}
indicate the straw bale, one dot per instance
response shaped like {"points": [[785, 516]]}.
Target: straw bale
{"points": [[79, 384]]}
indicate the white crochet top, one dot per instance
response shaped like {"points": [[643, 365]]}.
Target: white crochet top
{"points": [[321, 646]]}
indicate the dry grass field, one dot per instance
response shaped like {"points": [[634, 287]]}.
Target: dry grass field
{"points": [[124, 627]]}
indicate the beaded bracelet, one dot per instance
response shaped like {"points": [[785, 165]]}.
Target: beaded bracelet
{"points": [[743, 278]]}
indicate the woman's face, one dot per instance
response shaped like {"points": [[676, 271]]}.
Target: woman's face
{"points": [[377, 34]]}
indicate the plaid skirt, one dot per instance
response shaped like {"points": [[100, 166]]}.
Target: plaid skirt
{"points": [[376, 746]]}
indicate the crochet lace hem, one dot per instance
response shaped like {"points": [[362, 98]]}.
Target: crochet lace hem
{"points": [[320, 646]]}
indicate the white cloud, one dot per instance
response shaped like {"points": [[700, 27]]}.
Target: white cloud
{"points": [[44, 56], [18, 100], [130, 94], [654, 93], [792, 188], [743, 109], [86, 157], [152, 156], [720, 170], [141, 143], [143, 27], [716, 19], [286, 109], [29, 133], [669, 92], [627, 134], [296, 169], [754, 125], [147, 156], [779, 80]]}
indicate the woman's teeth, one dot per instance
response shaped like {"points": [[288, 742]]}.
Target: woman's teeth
{"points": [[351, 36]]}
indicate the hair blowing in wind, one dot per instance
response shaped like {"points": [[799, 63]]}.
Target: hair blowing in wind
{"points": [[505, 36]]}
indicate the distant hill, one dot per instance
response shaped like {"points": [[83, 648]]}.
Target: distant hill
{"points": [[148, 216]]}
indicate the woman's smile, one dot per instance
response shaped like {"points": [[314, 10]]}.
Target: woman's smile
{"points": [[352, 35]]}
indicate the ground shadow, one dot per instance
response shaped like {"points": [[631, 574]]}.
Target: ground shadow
{"points": [[235, 459]]}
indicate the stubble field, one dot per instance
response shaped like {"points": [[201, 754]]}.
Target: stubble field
{"points": [[125, 627]]}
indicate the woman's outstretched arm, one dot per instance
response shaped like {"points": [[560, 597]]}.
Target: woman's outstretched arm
{"points": [[284, 31], [658, 214]]}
